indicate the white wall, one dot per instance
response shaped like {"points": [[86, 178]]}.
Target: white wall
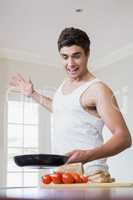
{"points": [[3, 75], [43, 78], [119, 76]]}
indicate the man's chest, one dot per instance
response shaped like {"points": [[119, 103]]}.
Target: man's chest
{"points": [[86, 95]]}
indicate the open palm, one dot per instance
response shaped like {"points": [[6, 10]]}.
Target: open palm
{"points": [[24, 86]]}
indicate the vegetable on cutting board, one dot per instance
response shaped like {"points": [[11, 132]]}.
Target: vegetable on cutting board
{"points": [[66, 174], [64, 178]]}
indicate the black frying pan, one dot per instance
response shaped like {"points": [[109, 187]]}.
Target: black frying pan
{"points": [[40, 160]]}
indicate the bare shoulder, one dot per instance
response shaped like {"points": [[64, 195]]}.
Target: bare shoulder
{"points": [[104, 96], [97, 94], [101, 89]]}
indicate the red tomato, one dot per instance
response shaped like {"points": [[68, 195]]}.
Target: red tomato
{"points": [[59, 174], [46, 179], [84, 179], [56, 178], [67, 178], [76, 177]]}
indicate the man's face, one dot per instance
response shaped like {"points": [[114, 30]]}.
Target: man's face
{"points": [[74, 61]]}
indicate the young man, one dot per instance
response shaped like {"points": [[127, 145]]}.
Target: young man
{"points": [[81, 106]]}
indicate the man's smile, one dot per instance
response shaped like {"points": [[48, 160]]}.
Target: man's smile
{"points": [[72, 70]]}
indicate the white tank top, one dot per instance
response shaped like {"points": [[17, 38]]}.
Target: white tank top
{"points": [[74, 128]]}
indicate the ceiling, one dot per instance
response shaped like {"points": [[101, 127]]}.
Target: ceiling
{"points": [[33, 26]]}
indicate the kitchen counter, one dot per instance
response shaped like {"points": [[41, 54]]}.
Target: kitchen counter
{"points": [[117, 193]]}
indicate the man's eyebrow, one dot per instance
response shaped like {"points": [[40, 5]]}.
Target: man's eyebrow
{"points": [[78, 52], [63, 54]]}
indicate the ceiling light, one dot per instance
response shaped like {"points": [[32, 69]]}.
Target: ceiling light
{"points": [[79, 10]]}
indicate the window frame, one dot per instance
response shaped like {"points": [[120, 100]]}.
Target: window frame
{"points": [[15, 96]]}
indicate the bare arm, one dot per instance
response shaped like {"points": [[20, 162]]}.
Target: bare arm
{"points": [[109, 111], [27, 89], [42, 100]]}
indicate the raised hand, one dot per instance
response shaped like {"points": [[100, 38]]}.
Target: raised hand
{"points": [[23, 86]]}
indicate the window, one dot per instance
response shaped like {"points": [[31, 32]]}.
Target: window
{"points": [[23, 125]]}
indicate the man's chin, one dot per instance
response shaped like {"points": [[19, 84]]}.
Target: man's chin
{"points": [[73, 76]]}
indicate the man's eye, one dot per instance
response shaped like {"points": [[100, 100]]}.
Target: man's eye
{"points": [[77, 56], [65, 57]]}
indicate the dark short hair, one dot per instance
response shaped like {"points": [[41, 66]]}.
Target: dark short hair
{"points": [[74, 36]]}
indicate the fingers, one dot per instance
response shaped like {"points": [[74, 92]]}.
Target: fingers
{"points": [[30, 81], [71, 159], [20, 78], [74, 158], [17, 81], [70, 153], [13, 81], [76, 155]]}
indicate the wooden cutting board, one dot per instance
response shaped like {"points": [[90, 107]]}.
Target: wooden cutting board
{"points": [[90, 185]]}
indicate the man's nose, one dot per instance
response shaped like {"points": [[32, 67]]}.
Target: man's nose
{"points": [[70, 62]]}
